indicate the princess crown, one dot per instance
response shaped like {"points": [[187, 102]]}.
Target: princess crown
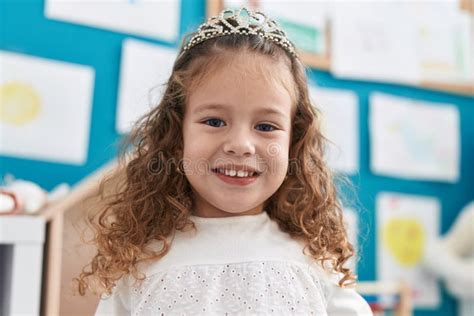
{"points": [[241, 21]]}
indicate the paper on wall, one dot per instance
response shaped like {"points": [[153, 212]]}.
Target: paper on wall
{"points": [[144, 70], [372, 40], [405, 225], [414, 139], [340, 124], [402, 41], [151, 18], [45, 108], [446, 51]]}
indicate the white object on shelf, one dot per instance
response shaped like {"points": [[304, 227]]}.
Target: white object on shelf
{"points": [[25, 234]]}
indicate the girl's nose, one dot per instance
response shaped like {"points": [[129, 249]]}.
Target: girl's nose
{"points": [[239, 143]]}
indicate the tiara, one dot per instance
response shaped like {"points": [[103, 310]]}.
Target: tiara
{"points": [[241, 21]]}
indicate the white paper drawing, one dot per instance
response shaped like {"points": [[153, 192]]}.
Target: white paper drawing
{"points": [[45, 108], [405, 224], [414, 139], [402, 41], [372, 40], [340, 124], [446, 49], [144, 70], [150, 18]]}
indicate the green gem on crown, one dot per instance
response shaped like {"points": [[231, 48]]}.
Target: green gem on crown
{"points": [[243, 13]]}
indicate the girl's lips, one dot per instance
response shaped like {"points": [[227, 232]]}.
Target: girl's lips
{"points": [[236, 180]]}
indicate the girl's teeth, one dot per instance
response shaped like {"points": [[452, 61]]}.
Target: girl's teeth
{"points": [[233, 173], [241, 173]]}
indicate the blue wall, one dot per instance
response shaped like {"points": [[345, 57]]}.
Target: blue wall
{"points": [[24, 29]]}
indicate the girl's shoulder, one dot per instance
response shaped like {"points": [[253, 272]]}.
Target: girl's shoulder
{"points": [[119, 301], [340, 300]]}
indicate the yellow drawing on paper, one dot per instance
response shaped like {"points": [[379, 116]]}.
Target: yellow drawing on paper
{"points": [[19, 103], [405, 239]]}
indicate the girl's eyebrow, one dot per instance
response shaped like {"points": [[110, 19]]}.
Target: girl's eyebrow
{"points": [[205, 107], [215, 106], [270, 110]]}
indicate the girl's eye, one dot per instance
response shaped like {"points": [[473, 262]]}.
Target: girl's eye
{"points": [[213, 122], [267, 127]]}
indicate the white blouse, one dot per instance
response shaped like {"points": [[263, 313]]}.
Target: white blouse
{"points": [[240, 265]]}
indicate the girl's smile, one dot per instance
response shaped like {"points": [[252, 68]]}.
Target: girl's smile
{"points": [[234, 177]]}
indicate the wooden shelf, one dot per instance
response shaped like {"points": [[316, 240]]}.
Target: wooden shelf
{"points": [[465, 89], [67, 254]]}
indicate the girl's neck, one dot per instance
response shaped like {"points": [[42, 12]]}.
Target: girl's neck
{"points": [[223, 214], [235, 219], [203, 208]]}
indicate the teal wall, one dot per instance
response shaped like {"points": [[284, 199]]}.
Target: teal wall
{"points": [[24, 29]]}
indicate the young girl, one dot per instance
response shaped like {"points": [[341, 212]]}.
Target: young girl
{"points": [[226, 205]]}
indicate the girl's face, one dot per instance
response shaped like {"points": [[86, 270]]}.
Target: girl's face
{"points": [[238, 117]]}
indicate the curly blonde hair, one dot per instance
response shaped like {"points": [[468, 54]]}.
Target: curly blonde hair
{"points": [[153, 198]]}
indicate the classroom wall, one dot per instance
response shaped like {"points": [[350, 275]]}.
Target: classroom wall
{"points": [[25, 29]]}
